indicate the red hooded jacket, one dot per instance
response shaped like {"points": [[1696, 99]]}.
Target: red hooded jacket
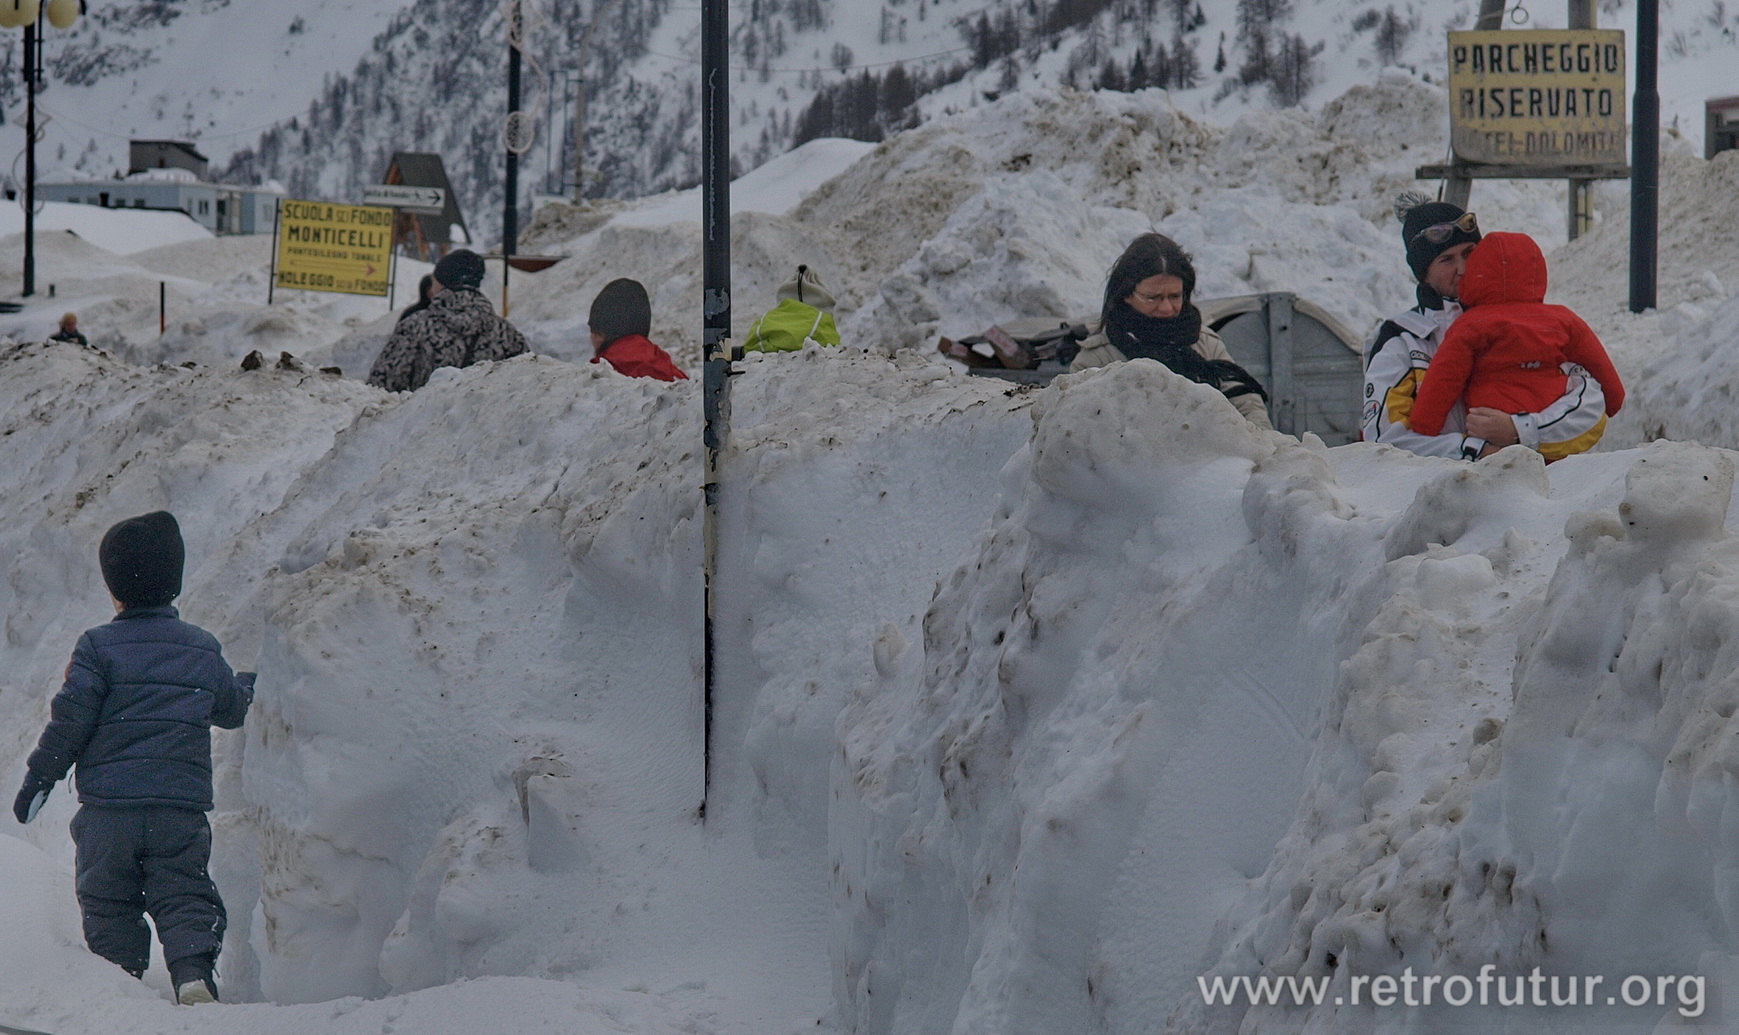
{"points": [[1504, 351], [636, 356]]}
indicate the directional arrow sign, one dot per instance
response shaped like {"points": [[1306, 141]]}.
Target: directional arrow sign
{"points": [[431, 200]]}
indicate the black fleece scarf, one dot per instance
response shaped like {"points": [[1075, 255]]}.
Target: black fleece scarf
{"points": [[1170, 340]]}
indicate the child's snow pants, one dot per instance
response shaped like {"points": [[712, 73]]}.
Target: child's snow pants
{"points": [[133, 861]]}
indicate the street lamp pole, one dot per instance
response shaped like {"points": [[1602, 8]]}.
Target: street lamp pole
{"points": [[29, 13]]}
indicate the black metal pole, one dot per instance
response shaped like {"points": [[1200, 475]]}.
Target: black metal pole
{"points": [[715, 146], [30, 34], [1645, 159], [510, 211]]}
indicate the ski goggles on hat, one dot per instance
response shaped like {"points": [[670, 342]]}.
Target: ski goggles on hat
{"points": [[1441, 232]]}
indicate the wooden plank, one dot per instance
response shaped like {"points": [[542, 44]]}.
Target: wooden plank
{"points": [[1523, 172]]}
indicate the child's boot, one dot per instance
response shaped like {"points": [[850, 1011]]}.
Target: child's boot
{"points": [[192, 979]]}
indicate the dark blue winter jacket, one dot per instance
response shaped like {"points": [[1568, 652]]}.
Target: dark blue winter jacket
{"points": [[136, 712]]}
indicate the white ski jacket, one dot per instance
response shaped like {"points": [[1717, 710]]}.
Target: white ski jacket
{"points": [[1395, 364]]}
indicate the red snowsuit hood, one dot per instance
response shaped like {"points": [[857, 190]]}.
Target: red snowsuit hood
{"points": [[1504, 267]]}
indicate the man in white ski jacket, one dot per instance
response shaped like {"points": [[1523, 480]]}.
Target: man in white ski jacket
{"points": [[1438, 236]]}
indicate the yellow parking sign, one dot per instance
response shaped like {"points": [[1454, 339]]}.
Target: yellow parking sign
{"points": [[342, 248], [1538, 97]]}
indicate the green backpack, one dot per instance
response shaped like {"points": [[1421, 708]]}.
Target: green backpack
{"points": [[786, 326], [795, 321]]}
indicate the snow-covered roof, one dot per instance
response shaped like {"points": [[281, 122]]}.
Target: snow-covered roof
{"points": [[167, 175]]}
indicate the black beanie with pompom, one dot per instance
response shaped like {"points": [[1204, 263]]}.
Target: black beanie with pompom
{"points": [[1421, 249]]}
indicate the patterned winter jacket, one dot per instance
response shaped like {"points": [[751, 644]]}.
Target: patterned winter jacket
{"points": [[136, 712], [458, 328]]}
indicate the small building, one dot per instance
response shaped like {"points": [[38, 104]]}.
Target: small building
{"points": [[166, 154], [426, 237], [169, 174]]}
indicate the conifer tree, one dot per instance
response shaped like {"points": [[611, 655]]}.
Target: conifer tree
{"points": [[1392, 35], [1293, 74], [1186, 68]]}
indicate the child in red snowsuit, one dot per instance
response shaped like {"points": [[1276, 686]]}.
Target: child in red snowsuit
{"points": [[1506, 350]]}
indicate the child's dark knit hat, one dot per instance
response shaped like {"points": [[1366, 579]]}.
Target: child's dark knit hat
{"points": [[1420, 248], [142, 558], [621, 309], [460, 268]]}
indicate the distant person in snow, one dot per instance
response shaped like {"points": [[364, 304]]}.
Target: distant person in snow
{"points": [[135, 715], [424, 289], [458, 328], [1508, 350], [69, 331], [1438, 238], [1148, 314], [802, 317], [620, 319]]}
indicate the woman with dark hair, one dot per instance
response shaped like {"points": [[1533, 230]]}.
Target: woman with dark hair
{"points": [[425, 290], [1148, 314]]}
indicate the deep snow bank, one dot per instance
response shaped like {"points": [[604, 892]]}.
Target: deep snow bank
{"points": [[1189, 700], [1213, 703], [1019, 207], [476, 748], [1678, 357]]}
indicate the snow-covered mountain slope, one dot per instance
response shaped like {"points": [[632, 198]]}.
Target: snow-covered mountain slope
{"points": [[214, 71], [319, 94]]}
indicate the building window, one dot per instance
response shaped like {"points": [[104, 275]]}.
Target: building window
{"points": [[204, 208], [138, 202]]}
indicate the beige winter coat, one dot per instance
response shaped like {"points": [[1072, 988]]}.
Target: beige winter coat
{"points": [[1097, 351]]}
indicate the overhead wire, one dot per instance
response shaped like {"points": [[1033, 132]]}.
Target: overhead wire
{"points": [[121, 135], [825, 68]]}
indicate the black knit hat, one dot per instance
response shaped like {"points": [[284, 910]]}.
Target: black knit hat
{"points": [[142, 558], [621, 309], [1420, 248], [460, 268]]}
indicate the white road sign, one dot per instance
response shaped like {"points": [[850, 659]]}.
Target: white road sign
{"points": [[398, 195]]}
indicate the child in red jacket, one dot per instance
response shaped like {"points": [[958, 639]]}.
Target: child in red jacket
{"points": [[620, 319], [1506, 350]]}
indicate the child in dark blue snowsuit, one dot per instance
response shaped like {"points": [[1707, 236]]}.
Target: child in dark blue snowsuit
{"points": [[135, 716]]}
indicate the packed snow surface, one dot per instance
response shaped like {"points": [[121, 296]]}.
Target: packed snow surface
{"points": [[118, 230], [1032, 706]]}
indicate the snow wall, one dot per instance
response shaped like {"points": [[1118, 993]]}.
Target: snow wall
{"points": [[1213, 703], [1033, 706]]}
